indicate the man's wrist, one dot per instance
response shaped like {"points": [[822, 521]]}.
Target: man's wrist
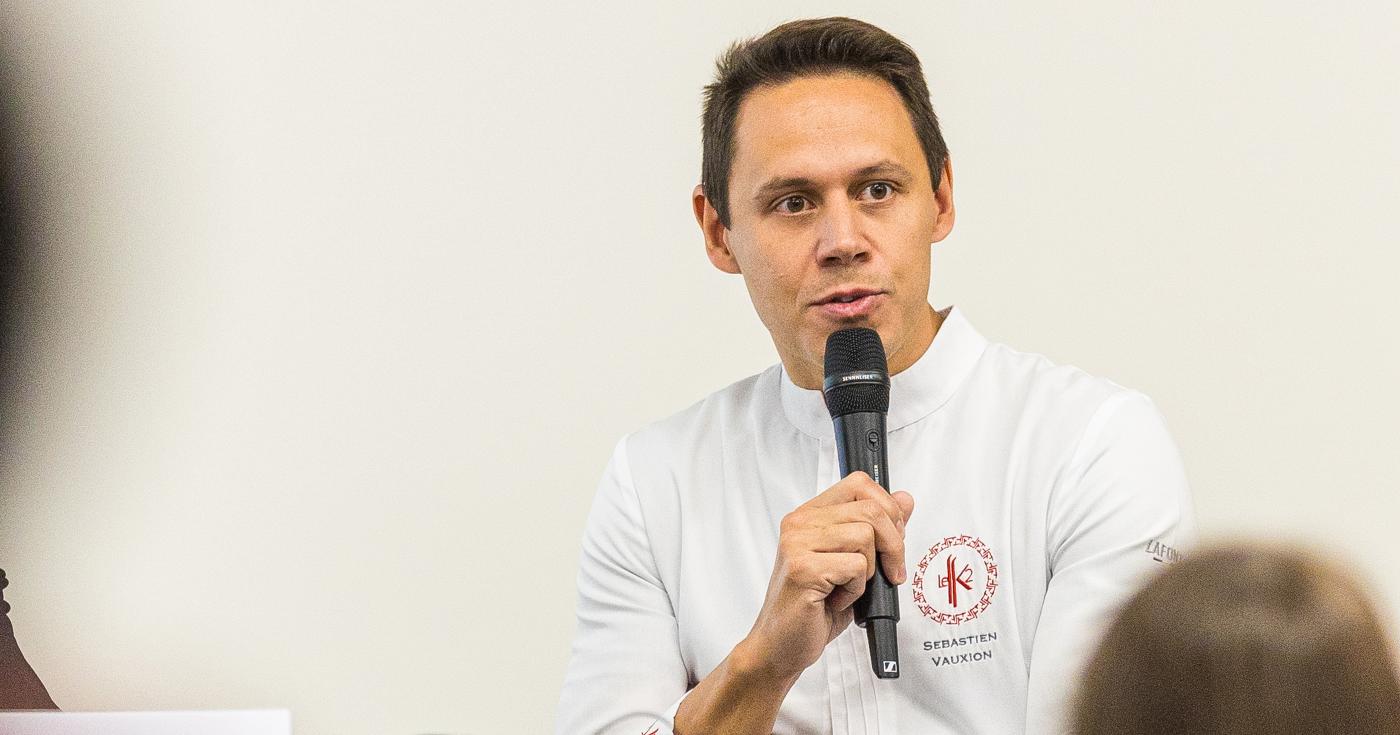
{"points": [[755, 664], [743, 695]]}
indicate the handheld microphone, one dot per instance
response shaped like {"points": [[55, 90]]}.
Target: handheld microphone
{"points": [[857, 393]]}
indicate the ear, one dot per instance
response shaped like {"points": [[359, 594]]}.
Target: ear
{"points": [[716, 234], [943, 198]]}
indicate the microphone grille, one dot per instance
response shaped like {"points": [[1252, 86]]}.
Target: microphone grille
{"points": [[850, 351], [854, 350]]}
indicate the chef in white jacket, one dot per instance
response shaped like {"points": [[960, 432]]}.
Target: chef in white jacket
{"points": [[723, 551]]}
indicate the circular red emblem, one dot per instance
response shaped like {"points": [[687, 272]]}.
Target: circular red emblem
{"points": [[961, 578]]}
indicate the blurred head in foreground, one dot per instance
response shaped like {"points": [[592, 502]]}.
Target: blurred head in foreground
{"points": [[1241, 640]]}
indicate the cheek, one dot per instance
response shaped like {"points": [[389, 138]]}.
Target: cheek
{"points": [[911, 223], [775, 271], [910, 236], [915, 217], [775, 290]]}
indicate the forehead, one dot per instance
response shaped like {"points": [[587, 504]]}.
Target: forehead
{"points": [[820, 127]]}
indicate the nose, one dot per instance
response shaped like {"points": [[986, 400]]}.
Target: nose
{"points": [[839, 238]]}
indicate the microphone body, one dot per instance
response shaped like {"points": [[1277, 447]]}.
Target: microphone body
{"points": [[857, 395]]}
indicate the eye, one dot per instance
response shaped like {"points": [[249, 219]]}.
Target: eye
{"points": [[794, 204], [880, 190]]}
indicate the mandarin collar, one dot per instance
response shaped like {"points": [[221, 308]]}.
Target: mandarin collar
{"points": [[915, 393]]}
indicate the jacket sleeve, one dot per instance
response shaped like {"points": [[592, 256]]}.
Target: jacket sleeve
{"points": [[625, 674], [20, 687], [1119, 511]]}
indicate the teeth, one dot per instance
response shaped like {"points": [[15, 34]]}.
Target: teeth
{"points": [[847, 299]]}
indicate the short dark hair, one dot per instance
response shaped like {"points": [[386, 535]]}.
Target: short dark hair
{"points": [[805, 48], [1244, 639]]}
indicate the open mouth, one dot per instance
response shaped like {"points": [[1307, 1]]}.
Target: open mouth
{"points": [[851, 303]]}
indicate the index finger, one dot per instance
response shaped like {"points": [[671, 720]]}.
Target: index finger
{"points": [[859, 486]]}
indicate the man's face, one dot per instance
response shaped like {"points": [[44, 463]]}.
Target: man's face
{"points": [[832, 216]]}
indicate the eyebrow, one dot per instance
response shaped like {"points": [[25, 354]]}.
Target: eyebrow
{"points": [[883, 168]]}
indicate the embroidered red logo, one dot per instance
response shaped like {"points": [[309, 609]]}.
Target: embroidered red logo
{"points": [[964, 577]]}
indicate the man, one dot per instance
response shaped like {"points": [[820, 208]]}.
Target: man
{"points": [[723, 551]]}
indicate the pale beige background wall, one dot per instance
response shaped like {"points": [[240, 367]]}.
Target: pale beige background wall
{"points": [[320, 286]]}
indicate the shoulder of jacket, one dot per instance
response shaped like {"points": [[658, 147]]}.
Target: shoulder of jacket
{"points": [[1052, 385], [701, 419]]}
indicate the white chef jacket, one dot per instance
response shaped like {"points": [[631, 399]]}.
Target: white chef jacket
{"points": [[1043, 495]]}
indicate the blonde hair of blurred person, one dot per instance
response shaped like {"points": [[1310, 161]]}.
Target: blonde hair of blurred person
{"points": [[1241, 640]]}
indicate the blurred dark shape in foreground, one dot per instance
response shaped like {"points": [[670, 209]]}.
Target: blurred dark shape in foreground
{"points": [[20, 687], [1244, 639]]}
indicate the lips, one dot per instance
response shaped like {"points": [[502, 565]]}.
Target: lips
{"points": [[850, 303]]}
